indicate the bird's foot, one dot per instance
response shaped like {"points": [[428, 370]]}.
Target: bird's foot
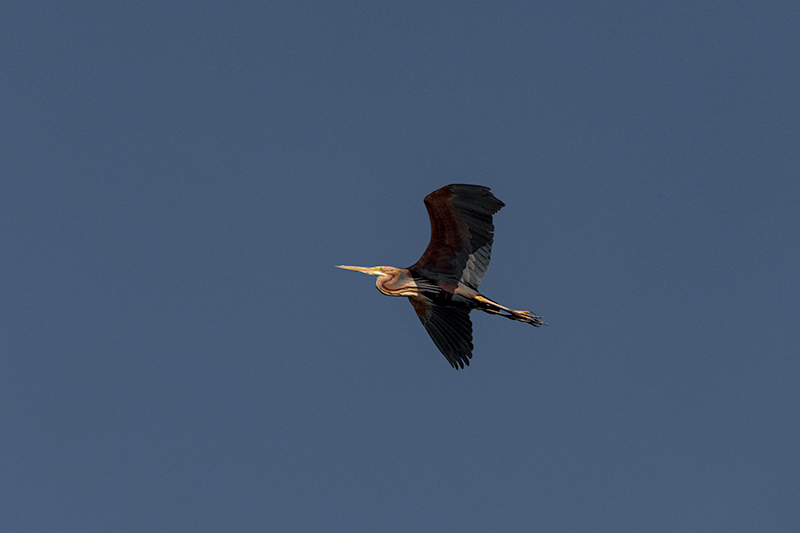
{"points": [[528, 317]]}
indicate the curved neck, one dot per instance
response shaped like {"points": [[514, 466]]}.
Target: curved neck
{"points": [[396, 282]]}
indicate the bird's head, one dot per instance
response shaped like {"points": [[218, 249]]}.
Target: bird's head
{"points": [[391, 281]]}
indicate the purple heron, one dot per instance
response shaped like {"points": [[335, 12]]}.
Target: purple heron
{"points": [[443, 285]]}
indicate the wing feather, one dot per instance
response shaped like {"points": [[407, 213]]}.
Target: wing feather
{"points": [[450, 329], [461, 234]]}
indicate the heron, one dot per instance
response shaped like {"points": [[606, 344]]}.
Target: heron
{"points": [[443, 285]]}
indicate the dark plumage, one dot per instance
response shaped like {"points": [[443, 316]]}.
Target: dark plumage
{"points": [[443, 285]]}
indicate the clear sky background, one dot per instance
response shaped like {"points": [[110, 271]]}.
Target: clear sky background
{"points": [[178, 180]]}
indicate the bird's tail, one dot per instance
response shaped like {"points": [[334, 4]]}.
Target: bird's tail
{"points": [[487, 305]]}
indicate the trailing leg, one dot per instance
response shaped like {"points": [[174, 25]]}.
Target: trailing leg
{"points": [[489, 306]]}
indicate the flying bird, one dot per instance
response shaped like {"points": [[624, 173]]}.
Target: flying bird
{"points": [[443, 285]]}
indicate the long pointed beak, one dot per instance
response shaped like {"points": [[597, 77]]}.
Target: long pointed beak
{"points": [[363, 270]]}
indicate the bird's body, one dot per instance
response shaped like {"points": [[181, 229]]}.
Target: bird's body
{"points": [[443, 285]]}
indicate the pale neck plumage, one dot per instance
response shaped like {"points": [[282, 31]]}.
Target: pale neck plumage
{"points": [[396, 282]]}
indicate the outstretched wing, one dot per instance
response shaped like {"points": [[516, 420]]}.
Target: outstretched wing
{"points": [[450, 328], [461, 234]]}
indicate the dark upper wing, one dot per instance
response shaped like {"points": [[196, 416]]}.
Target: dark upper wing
{"points": [[450, 329], [461, 234]]}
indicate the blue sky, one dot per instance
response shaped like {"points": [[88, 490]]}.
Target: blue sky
{"points": [[179, 353]]}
